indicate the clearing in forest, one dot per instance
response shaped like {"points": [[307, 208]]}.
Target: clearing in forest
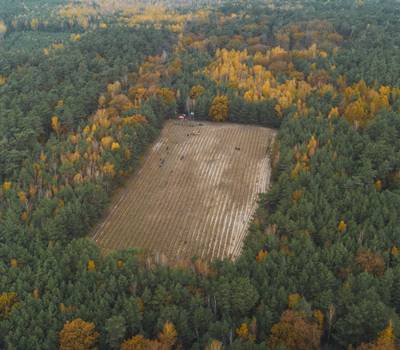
{"points": [[195, 193]]}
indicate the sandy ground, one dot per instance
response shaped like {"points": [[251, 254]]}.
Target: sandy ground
{"points": [[195, 193]]}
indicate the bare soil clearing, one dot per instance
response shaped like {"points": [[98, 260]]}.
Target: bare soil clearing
{"points": [[195, 193]]}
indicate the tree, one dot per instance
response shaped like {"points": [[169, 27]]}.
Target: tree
{"points": [[78, 335], [295, 332], [386, 340], [168, 335], [3, 29], [219, 108], [371, 262], [139, 342], [115, 328], [7, 302]]}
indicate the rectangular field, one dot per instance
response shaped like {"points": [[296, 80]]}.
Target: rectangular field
{"points": [[195, 193]]}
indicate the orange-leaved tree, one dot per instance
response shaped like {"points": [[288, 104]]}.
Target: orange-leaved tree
{"points": [[294, 331], [78, 335]]}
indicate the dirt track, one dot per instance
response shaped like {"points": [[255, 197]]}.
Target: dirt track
{"points": [[195, 193]]}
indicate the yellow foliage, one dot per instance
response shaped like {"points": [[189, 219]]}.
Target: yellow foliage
{"points": [[121, 103], [14, 263], [249, 96], [32, 190], [323, 54], [114, 89], [386, 340], [7, 301], [243, 331], [42, 156], [55, 124], [312, 146], [115, 146], [7, 186], [106, 141], [78, 334], [127, 154], [168, 95], [108, 169], [34, 23], [57, 46], [3, 80], [378, 185], [78, 178], [24, 216], [319, 316], [293, 300], [138, 342], [395, 251], [105, 123], [22, 197], [219, 108], [103, 25], [74, 139], [385, 90], [102, 101], [342, 226], [74, 156], [120, 263], [215, 345], [168, 334], [262, 254], [333, 113], [196, 91], [296, 195], [91, 265], [3, 27], [387, 335], [75, 37], [134, 119]]}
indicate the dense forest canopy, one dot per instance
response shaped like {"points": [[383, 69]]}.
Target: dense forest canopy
{"points": [[85, 87]]}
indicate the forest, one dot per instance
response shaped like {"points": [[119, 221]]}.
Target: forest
{"points": [[85, 88]]}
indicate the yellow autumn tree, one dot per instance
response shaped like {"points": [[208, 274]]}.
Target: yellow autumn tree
{"points": [[196, 91], [342, 226], [55, 124], [262, 254], [7, 301], [78, 335], [34, 23], [378, 185], [312, 146], [3, 29], [114, 89], [243, 331], [334, 112], [107, 141], [91, 265], [219, 108], [386, 340], [115, 146], [138, 342], [168, 335], [214, 345], [6, 186]]}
